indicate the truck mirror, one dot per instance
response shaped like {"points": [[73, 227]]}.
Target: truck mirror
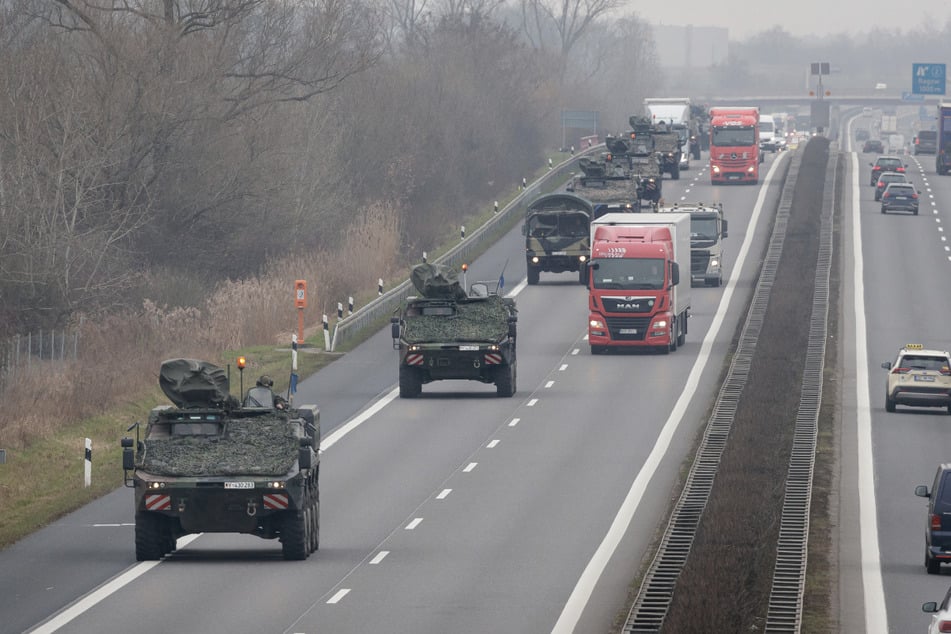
{"points": [[304, 456], [725, 225], [128, 458], [674, 274], [395, 328], [887, 365]]}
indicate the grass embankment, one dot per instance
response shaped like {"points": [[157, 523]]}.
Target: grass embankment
{"points": [[49, 411]]}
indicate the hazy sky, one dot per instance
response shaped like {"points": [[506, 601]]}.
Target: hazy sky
{"points": [[799, 17]]}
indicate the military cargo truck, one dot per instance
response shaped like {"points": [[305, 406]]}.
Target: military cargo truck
{"points": [[447, 333], [211, 464], [556, 235]]}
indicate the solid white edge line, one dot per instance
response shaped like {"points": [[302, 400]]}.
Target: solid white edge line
{"points": [[876, 615], [103, 591], [573, 609]]}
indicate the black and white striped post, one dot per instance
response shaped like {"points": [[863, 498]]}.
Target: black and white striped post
{"points": [[424, 257], [87, 464], [339, 310], [496, 206], [326, 333], [524, 183], [350, 305], [551, 165], [379, 287], [462, 232]]}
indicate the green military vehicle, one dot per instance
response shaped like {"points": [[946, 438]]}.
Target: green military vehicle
{"points": [[645, 162], [669, 148], [446, 333], [212, 464], [708, 228], [556, 232]]}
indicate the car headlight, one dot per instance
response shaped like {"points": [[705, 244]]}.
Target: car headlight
{"points": [[534, 259], [596, 324], [716, 169]]}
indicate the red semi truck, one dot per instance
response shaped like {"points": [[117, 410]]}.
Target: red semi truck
{"points": [[635, 297], [734, 145]]}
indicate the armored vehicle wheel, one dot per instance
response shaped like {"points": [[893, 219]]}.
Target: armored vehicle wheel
{"points": [[150, 539], [315, 526], [533, 275], [295, 534], [411, 385], [505, 381]]}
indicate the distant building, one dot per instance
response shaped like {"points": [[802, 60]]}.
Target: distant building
{"points": [[690, 46]]}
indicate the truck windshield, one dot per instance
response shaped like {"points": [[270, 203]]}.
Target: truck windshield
{"points": [[568, 224], [733, 136], [703, 228], [630, 274]]}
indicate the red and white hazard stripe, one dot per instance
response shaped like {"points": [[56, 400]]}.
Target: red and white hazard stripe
{"points": [[493, 358], [158, 503], [414, 358], [275, 501]]}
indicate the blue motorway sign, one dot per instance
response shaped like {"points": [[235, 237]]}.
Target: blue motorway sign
{"points": [[910, 96], [928, 79]]}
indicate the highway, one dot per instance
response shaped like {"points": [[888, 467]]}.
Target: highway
{"points": [[458, 511], [895, 292]]}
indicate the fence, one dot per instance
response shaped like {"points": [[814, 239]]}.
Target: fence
{"points": [[22, 351], [377, 310]]}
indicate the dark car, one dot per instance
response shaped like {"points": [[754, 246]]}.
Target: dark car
{"points": [[938, 525], [900, 197], [926, 142], [885, 180], [886, 164], [873, 145]]}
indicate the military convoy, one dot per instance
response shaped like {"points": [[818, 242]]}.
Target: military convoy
{"points": [[626, 176], [214, 464], [556, 235], [447, 333]]}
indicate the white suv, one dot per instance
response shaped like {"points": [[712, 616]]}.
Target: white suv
{"points": [[919, 377]]}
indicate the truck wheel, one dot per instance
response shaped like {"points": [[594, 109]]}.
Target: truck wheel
{"points": [[505, 381], [411, 385], [315, 525], [598, 349], [583, 275], [932, 565], [150, 537], [295, 535], [533, 275], [675, 172]]}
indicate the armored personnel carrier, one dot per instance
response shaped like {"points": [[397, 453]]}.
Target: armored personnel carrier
{"points": [[447, 333], [211, 464], [645, 166]]}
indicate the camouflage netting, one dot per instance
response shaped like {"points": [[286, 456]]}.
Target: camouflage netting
{"points": [[666, 142], [437, 281], [259, 446], [483, 319]]}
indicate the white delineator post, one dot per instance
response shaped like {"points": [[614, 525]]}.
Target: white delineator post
{"points": [[87, 464]]}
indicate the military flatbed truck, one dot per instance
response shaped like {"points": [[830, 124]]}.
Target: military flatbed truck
{"points": [[446, 333], [211, 464]]}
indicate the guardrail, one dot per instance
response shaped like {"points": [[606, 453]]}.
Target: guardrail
{"points": [[372, 313]]}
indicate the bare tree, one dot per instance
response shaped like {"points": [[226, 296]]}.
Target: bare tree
{"points": [[553, 25]]}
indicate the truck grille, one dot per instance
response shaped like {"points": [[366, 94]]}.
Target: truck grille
{"points": [[699, 262], [628, 305], [638, 324]]}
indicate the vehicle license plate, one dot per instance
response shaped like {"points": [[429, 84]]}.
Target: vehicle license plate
{"points": [[924, 377], [628, 331], [239, 485], [468, 348], [560, 253]]}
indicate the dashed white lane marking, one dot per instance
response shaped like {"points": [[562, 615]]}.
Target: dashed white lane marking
{"points": [[549, 384], [531, 403], [564, 366], [380, 556], [416, 522], [443, 494], [575, 351], [470, 467], [492, 444], [514, 422], [341, 593]]}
